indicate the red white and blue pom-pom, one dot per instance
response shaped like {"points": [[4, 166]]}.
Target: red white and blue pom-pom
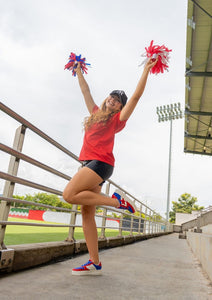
{"points": [[73, 61], [160, 52]]}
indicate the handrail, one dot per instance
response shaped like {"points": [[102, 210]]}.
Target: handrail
{"points": [[11, 200], [23, 121], [200, 221], [35, 224], [149, 221], [53, 225], [205, 210], [22, 181], [27, 124], [32, 161]]}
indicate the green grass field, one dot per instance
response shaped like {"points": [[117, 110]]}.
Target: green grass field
{"points": [[19, 234]]}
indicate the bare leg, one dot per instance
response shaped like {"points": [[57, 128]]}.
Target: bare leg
{"points": [[90, 232], [80, 190], [84, 189]]}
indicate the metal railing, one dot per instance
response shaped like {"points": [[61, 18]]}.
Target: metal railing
{"points": [[204, 218], [148, 220], [205, 210]]}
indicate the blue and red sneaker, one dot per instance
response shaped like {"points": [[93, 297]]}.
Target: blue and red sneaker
{"points": [[88, 269], [128, 205]]}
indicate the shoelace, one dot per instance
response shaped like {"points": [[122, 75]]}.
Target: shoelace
{"points": [[87, 263], [124, 203]]}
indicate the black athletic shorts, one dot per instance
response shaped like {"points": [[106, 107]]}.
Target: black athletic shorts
{"points": [[103, 169]]}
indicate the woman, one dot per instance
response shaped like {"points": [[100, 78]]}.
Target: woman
{"points": [[98, 161]]}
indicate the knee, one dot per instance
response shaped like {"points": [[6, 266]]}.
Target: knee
{"points": [[68, 197], [65, 195], [88, 211]]}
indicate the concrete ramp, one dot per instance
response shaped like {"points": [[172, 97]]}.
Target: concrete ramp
{"points": [[158, 268]]}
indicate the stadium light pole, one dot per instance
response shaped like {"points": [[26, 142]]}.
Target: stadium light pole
{"points": [[169, 113]]}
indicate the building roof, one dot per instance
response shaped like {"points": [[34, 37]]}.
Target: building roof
{"points": [[198, 80]]}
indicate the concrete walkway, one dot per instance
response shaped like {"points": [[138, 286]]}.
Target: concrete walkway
{"points": [[158, 268]]}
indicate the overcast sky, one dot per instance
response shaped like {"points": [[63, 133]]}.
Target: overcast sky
{"points": [[36, 38]]}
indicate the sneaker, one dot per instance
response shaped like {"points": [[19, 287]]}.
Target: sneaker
{"points": [[128, 205], [88, 269]]}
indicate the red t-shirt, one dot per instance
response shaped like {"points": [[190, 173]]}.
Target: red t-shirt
{"points": [[99, 140]]}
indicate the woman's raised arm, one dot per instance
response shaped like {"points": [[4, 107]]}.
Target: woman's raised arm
{"points": [[131, 104], [85, 90]]}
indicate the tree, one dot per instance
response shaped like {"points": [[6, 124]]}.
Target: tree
{"points": [[185, 204]]}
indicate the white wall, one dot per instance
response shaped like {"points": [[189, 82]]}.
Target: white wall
{"points": [[64, 218], [201, 245]]}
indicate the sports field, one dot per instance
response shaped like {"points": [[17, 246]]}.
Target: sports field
{"points": [[19, 234]]}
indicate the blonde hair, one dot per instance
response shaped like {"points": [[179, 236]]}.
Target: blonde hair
{"points": [[101, 116]]}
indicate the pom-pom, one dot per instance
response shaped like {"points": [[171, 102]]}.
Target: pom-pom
{"points": [[160, 52], [73, 61]]}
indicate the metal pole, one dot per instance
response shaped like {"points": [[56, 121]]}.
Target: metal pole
{"points": [[9, 186], [169, 171], [139, 222], [105, 214], [144, 229], [70, 237], [169, 113]]}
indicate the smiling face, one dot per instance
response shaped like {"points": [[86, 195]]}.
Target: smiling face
{"points": [[113, 103]]}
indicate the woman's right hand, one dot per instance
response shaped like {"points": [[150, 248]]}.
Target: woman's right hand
{"points": [[85, 89]]}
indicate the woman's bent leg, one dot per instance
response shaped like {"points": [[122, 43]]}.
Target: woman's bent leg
{"points": [[80, 190]]}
